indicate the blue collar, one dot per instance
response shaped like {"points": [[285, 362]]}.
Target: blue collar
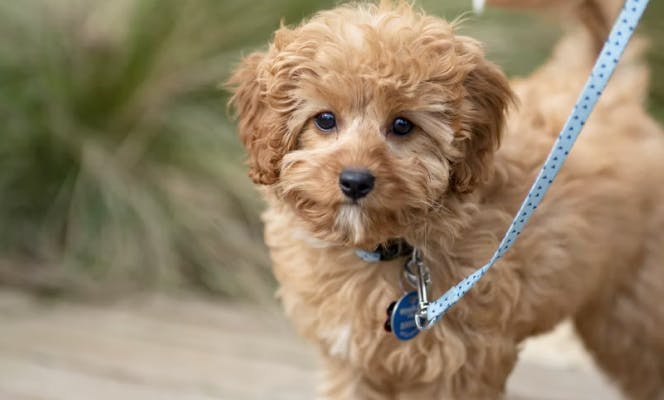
{"points": [[393, 249]]}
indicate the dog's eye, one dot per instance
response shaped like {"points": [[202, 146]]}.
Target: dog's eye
{"points": [[325, 121], [401, 126]]}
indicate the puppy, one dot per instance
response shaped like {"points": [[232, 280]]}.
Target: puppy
{"points": [[370, 123]]}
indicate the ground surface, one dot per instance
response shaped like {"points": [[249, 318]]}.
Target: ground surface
{"points": [[159, 348]]}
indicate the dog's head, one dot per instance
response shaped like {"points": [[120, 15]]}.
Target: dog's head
{"points": [[366, 118]]}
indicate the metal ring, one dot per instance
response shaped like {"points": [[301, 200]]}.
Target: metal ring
{"points": [[422, 320], [407, 280]]}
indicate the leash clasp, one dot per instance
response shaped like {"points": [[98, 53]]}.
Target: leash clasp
{"points": [[408, 316], [417, 274]]}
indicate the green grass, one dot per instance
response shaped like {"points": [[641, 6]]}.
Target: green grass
{"points": [[119, 169]]}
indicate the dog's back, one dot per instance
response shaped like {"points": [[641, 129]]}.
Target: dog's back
{"points": [[613, 180]]}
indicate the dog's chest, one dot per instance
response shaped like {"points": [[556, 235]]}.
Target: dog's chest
{"points": [[339, 303]]}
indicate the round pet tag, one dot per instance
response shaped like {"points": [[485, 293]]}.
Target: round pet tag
{"points": [[402, 320]]}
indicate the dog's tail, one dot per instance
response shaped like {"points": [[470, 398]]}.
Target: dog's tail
{"points": [[597, 17]]}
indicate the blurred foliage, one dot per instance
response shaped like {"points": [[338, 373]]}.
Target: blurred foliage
{"points": [[653, 29], [117, 164], [119, 169]]}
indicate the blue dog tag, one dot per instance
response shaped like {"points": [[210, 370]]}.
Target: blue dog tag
{"points": [[402, 319]]}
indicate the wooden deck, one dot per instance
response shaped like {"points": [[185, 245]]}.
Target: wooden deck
{"points": [[155, 347]]}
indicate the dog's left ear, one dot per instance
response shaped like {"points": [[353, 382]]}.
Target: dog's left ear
{"points": [[486, 98]]}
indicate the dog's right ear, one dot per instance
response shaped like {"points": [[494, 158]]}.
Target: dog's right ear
{"points": [[250, 106], [262, 87]]}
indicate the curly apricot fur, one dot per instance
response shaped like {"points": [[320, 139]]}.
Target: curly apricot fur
{"points": [[594, 251]]}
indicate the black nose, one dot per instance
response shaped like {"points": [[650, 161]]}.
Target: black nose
{"points": [[356, 183]]}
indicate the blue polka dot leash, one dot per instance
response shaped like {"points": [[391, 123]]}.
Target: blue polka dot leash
{"points": [[413, 312], [604, 67]]}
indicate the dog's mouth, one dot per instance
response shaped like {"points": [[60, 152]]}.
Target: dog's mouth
{"points": [[362, 222], [359, 225], [352, 203], [351, 221]]}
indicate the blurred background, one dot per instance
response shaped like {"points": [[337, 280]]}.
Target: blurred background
{"points": [[120, 171]]}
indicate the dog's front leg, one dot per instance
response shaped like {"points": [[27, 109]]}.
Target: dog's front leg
{"points": [[342, 381], [347, 383], [482, 375]]}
